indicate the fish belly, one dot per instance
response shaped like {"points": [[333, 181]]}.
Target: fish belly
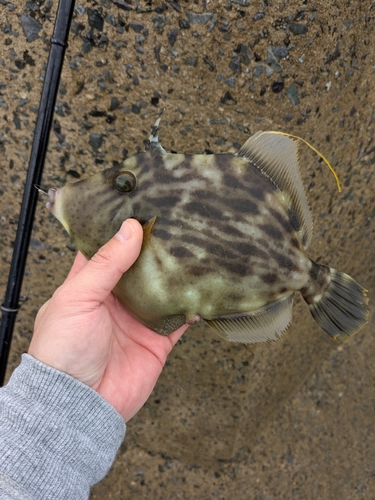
{"points": [[160, 286]]}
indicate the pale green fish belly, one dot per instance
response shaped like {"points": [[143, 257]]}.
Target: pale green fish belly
{"points": [[158, 287]]}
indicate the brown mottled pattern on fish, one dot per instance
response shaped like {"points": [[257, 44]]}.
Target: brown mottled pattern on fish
{"points": [[228, 243]]}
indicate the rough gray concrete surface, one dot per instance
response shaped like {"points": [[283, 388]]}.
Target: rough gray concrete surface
{"points": [[293, 419]]}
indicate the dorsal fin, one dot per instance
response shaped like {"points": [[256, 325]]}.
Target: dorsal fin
{"points": [[276, 156], [263, 326], [153, 143]]}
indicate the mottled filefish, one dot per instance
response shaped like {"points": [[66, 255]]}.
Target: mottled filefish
{"points": [[225, 240]]}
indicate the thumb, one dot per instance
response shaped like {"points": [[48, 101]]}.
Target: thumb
{"points": [[79, 262], [95, 281]]}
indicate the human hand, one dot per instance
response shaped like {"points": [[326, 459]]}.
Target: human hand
{"points": [[84, 331]]}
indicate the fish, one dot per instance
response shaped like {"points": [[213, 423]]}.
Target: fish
{"points": [[225, 240]]}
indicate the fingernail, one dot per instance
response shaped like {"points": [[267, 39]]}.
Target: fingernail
{"points": [[125, 232]]}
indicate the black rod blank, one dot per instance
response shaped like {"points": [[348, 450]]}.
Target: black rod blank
{"points": [[11, 305]]}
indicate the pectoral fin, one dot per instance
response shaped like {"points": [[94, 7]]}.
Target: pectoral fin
{"points": [[147, 228], [268, 324]]}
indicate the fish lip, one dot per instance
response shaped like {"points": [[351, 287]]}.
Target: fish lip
{"points": [[52, 198], [40, 189]]}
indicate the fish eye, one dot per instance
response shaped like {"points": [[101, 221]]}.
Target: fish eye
{"points": [[125, 182]]}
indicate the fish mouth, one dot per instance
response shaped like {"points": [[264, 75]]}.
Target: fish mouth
{"points": [[55, 205], [52, 198], [52, 194], [40, 189]]}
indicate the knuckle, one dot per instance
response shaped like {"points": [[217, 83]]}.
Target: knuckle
{"points": [[105, 259], [103, 256]]}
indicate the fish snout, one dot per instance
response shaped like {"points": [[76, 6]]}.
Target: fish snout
{"points": [[51, 204], [57, 205]]}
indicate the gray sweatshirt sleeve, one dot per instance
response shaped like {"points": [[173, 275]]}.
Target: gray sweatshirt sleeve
{"points": [[58, 437]]}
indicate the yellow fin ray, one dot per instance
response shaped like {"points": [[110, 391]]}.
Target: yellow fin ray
{"points": [[276, 156], [311, 147]]}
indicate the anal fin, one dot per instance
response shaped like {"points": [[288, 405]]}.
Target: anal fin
{"points": [[269, 324]]}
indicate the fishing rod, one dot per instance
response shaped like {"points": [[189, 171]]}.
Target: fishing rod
{"points": [[11, 304]]}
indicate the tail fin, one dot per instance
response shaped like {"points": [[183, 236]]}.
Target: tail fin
{"points": [[342, 310]]}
